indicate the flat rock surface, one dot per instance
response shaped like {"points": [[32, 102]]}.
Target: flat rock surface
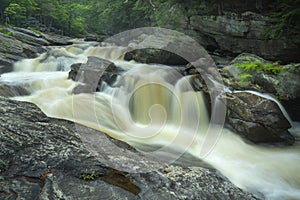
{"points": [[45, 158]]}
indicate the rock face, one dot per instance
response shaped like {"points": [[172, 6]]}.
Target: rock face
{"points": [[256, 118], [238, 33], [45, 158]]}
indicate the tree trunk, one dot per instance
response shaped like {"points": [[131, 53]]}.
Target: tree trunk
{"points": [[258, 5], [220, 7]]}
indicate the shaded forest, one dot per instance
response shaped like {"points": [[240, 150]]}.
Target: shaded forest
{"points": [[77, 17]]}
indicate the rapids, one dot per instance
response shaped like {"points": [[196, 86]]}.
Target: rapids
{"points": [[154, 106]]}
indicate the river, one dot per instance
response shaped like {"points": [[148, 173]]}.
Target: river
{"points": [[156, 110]]}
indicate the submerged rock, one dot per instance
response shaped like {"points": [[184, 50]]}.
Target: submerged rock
{"points": [[256, 118], [45, 158]]}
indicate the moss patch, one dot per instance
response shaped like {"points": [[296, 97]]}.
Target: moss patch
{"points": [[250, 68]]}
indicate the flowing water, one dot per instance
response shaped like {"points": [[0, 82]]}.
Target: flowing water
{"points": [[154, 106]]}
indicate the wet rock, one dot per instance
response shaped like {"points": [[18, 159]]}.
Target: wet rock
{"points": [[57, 40], [257, 119], [92, 74], [7, 60], [46, 158], [19, 43], [12, 90], [29, 38], [27, 32], [74, 71], [10, 45], [150, 55], [97, 38], [12, 50], [5, 65]]}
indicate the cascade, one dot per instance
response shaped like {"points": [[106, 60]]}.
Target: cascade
{"points": [[153, 105]]}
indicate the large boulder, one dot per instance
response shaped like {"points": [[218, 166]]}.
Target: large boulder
{"points": [[92, 74], [45, 158], [163, 47], [257, 118], [284, 85], [150, 55]]}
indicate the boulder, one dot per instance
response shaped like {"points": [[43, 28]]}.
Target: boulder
{"points": [[285, 85], [232, 74], [150, 55], [92, 74], [257, 118], [95, 38], [163, 47], [45, 158]]}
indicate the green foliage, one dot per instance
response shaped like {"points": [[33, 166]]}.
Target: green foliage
{"points": [[248, 69], [15, 12], [228, 113], [6, 32], [285, 21], [7, 46], [76, 17], [87, 176], [34, 30], [260, 67]]}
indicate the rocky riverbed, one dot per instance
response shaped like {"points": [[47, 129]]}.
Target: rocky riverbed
{"points": [[45, 158]]}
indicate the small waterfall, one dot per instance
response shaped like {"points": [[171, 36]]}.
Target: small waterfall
{"points": [[153, 105]]}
